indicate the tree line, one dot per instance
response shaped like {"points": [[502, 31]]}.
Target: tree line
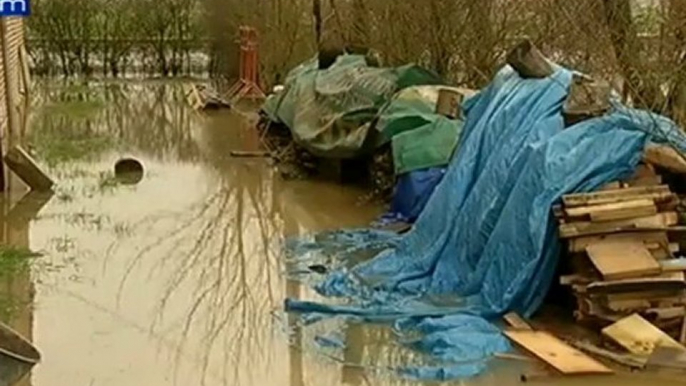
{"points": [[638, 45], [82, 37]]}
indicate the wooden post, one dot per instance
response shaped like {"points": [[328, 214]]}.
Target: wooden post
{"points": [[528, 61], [449, 103], [25, 167]]}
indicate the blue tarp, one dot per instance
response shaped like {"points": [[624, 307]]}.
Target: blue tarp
{"points": [[486, 242], [412, 192]]}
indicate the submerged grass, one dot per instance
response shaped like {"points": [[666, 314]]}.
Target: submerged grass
{"points": [[77, 109], [13, 262], [54, 149], [67, 129]]}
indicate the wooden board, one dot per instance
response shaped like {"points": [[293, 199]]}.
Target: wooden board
{"points": [[673, 265], [623, 259], [645, 181], [673, 281], [615, 206], [612, 186], [556, 353], [671, 247], [661, 254], [617, 195], [580, 244], [567, 280], [621, 214], [628, 305], [667, 358], [26, 168], [665, 157], [517, 322], [665, 313], [639, 336], [643, 171], [648, 295], [578, 229]]}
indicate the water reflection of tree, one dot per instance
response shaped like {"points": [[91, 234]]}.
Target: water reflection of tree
{"points": [[152, 117], [224, 250]]}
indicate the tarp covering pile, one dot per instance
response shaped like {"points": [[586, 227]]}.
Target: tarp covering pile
{"points": [[421, 139], [486, 242], [331, 112]]}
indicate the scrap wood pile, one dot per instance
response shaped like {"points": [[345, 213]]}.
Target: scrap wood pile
{"points": [[620, 252], [644, 346], [201, 97]]}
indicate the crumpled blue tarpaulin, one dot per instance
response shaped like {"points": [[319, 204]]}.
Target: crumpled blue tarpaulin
{"points": [[411, 193], [486, 242]]}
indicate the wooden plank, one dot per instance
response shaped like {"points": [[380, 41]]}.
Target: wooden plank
{"points": [[653, 296], [578, 229], [580, 244], [513, 357], [575, 279], [26, 168], [621, 214], [682, 338], [645, 181], [628, 360], [671, 247], [622, 259], [665, 157], [644, 170], [673, 265], [556, 353], [639, 336], [612, 196], [517, 322], [672, 281], [612, 186], [628, 304], [615, 206], [667, 358], [666, 313]]}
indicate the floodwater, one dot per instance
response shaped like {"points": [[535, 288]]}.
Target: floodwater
{"points": [[177, 280]]}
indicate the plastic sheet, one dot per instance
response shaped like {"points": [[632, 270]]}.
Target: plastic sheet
{"points": [[486, 242], [330, 112], [412, 192]]}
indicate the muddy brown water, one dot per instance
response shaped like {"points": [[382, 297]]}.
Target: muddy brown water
{"points": [[177, 280]]}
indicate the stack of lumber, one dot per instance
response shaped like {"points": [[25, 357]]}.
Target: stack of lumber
{"points": [[622, 260]]}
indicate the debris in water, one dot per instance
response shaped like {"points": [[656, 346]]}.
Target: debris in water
{"points": [[15, 346], [318, 268], [128, 171], [21, 163]]}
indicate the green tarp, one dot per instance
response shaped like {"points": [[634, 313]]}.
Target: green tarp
{"points": [[331, 112], [420, 138], [350, 109], [429, 145]]}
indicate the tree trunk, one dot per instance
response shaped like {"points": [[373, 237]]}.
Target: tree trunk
{"points": [[676, 97], [317, 13], [619, 19], [482, 40], [359, 34]]}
